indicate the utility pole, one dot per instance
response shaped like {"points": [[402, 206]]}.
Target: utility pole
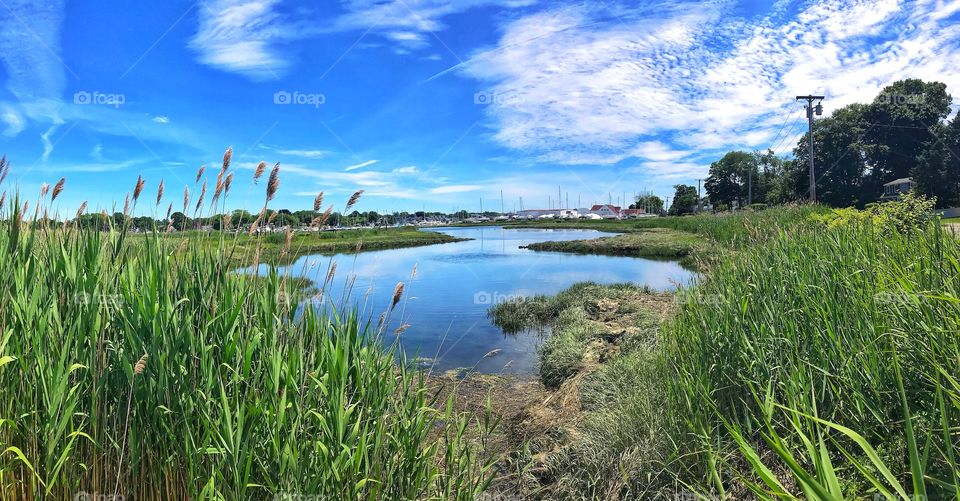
{"points": [[811, 110], [699, 198]]}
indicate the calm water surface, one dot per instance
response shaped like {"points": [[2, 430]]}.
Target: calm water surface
{"points": [[446, 303]]}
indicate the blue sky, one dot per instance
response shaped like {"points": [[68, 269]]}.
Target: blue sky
{"points": [[434, 103]]}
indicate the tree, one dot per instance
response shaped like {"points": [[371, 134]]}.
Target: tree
{"points": [[652, 203], [684, 200], [899, 121], [937, 173], [729, 176], [840, 159]]}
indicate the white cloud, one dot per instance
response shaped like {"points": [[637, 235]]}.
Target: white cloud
{"points": [[412, 23], [673, 84], [242, 36], [410, 169], [359, 165], [160, 119], [304, 153], [456, 188]]}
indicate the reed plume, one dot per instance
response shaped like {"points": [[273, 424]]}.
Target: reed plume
{"points": [[401, 329], [353, 199], [397, 293], [218, 189], [126, 205], [160, 192], [186, 198], [203, 192], [4, 168], [227, 183], [44, 188], [261, 167], [288, 240], [326, 215], [274, 182], [3, 198], [273, 215], [227, 155], [318, 202], [80, 211], [169, 210], [331, 273], [58, 188], [138, 189], [200, 173]]}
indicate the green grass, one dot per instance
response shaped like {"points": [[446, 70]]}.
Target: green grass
{"points": [[818, 361], [650, 243], [241, 248], [950, 220], [241, 394]]}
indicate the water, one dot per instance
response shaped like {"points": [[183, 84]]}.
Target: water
{"points": [[446, 303]]}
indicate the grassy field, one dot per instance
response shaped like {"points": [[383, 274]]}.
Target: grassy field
{"points": [[820, 363], [142, 366], [697, 240], [274, 248], [650, 243]]}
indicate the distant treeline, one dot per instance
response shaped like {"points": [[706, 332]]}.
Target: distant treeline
{"points": [[243, 219]]}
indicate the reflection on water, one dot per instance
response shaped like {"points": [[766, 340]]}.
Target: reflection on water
{"points": [[446, 303]]}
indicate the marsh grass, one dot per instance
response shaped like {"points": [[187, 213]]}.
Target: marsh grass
{"points": [[149, 368]]}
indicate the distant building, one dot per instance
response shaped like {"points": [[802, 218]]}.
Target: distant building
{"points": [[894, 189], [547, 213], [606, 211], [632, 213]]}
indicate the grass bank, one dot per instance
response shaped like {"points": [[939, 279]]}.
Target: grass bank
{"points": [[282, 249], [821, 363], [645, 242]]}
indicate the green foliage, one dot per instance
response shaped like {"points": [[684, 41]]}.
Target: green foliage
{"points": [[684, 200], [804, 354], [912, 212], [242, 393]]}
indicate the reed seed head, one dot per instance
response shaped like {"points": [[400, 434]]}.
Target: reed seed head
{"points": [[80, 211], [160, 192], [3, 198], [186, 198], [227, 155], [227, 183], [44, 188], [138, 188], [492, 353], [318, 202], [141, 365], [126, 205], [274, 182], [261, 167], [200, 173], [397, 294], [203, 192], [354, 198], [58, 188], [401, 329], [326, 215]]}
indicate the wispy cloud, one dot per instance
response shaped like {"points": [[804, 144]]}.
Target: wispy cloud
{"points": [[161, 119], [313, 154], [456, 188], [595, 84], [242, 36], [359, 165]]}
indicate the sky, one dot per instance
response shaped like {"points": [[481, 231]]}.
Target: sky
{"points": [[434, 104]]}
